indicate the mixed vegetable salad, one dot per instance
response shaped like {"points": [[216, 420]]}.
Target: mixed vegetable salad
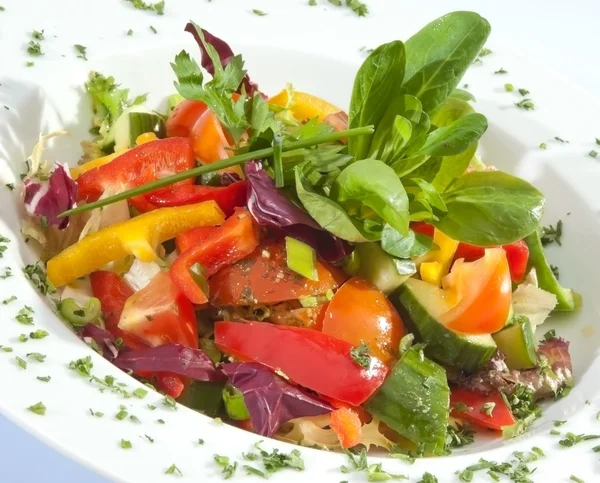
{"points": [[328, 278]]}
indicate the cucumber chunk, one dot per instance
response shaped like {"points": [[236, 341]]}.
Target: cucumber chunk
{"points": [[132, 122], [517, 342], [414, 401], [420, 304]]}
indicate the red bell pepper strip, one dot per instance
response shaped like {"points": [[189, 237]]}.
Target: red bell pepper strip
{"points": [[470, 405], [113, 292], [232, 241], [137, 166], [192, 237], [517, 253], [227, 197], [309, 358]]}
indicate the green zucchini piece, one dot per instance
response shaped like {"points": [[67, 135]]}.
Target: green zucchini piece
{"points": [[420, 304], [567, 299], [377, 266], [204, 397], [414, 401], [517, 342]]}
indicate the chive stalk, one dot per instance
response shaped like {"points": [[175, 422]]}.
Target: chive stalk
{"points": [[301, 258]]}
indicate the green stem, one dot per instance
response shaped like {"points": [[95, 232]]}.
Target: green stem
{"points": [[222, 164]]}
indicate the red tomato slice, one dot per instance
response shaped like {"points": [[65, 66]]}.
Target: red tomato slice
{"points": [[483, 290], [501, 415], [113, 292], [360, 313], [263, 277], [160, 314], [209, 141], [309, 358], [232, 241], [227, 197], [183, 118], [139, 165]]}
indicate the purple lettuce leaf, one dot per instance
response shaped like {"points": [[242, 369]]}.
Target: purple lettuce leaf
{"points": [[173, 358], [271, 401], [545, 380], [225, 54], [103, 339], [270, 207], [49, 198]]}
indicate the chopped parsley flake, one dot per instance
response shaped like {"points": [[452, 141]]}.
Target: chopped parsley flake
{"points": [[458, 436], [543, 146], [24, 316], [37, 275], [173, 470], [36, 35], [38, 408], [126, 444], [159, 7], [149, 438], [337, 3], [34, 48], [428, 478], [153, 29], [21, 362], [485, 51], [258, 12], [555, 271], [44, 378], [82, 50], [501, 70], [82, 366], [140, 393], [523, 92], [312, 3], [560, 140], [526, 104], [121, 415], [488, 408], [5, 349], [593, 153], [374, 472], [39, 334], [7, 273], [576, 480], [551, 234], [360, 355], [2, 9], [558, 423], [200, 441], [509, 87], [228, 469], [598, 141], [160, 421], [23, 338], [10, 186], [36, 356], [10, 299], [572, 439], [170, 402], [134, 419], [151, 407], [96, 414], [3, 239], [358, 7], [130, 32]]}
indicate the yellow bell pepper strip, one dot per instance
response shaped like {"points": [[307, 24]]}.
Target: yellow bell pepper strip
{"points": [[304, 106], [139, 237], [438, 264]]}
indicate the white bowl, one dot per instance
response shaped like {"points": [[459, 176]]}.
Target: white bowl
{"points": [[568, 177]]}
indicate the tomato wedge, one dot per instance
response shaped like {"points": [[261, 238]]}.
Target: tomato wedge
{"points": [[183, 118], [209, 141], [264, 278], [309, 358], [113, 292], [488, 411], [360, 313], [227, 197], [517, 255], [232, 241], [483, 291], [137, 166], [160, 314]]}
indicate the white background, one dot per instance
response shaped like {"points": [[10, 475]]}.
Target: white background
{"points": [[558, 34]]}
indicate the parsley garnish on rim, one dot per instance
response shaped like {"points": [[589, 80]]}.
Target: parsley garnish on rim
{"points": [[24, 315], [10, 186], [39, 334], [526, 104], [551, 234], [81, 49], [44, 378], [37, 275], [37, 35], [36, 356], [593, 153], [458, 436], [228, 469], [501, 70], [38, 408], [126, 444], [509, 87], [169, 402], [571, 439], [159, 7], [258, 12], [173, 470], [428, 478], [360, 355], [7, 273], [3, 240], [34, 48], [374, 472]]}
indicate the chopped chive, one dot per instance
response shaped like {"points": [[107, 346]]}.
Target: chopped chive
{"points": [[509, 87]]}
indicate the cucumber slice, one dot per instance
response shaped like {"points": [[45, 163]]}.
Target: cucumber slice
{"points": [[132, 122], [205, 397], [421, 304], [414, 401], [378, 267], [517, 342]]}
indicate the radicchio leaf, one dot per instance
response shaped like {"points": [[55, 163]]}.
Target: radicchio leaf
{"points": [[172, 358], [545, 380], [270, 207], [103, 339], [271, 401], [225, 54], [49, 198]]}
